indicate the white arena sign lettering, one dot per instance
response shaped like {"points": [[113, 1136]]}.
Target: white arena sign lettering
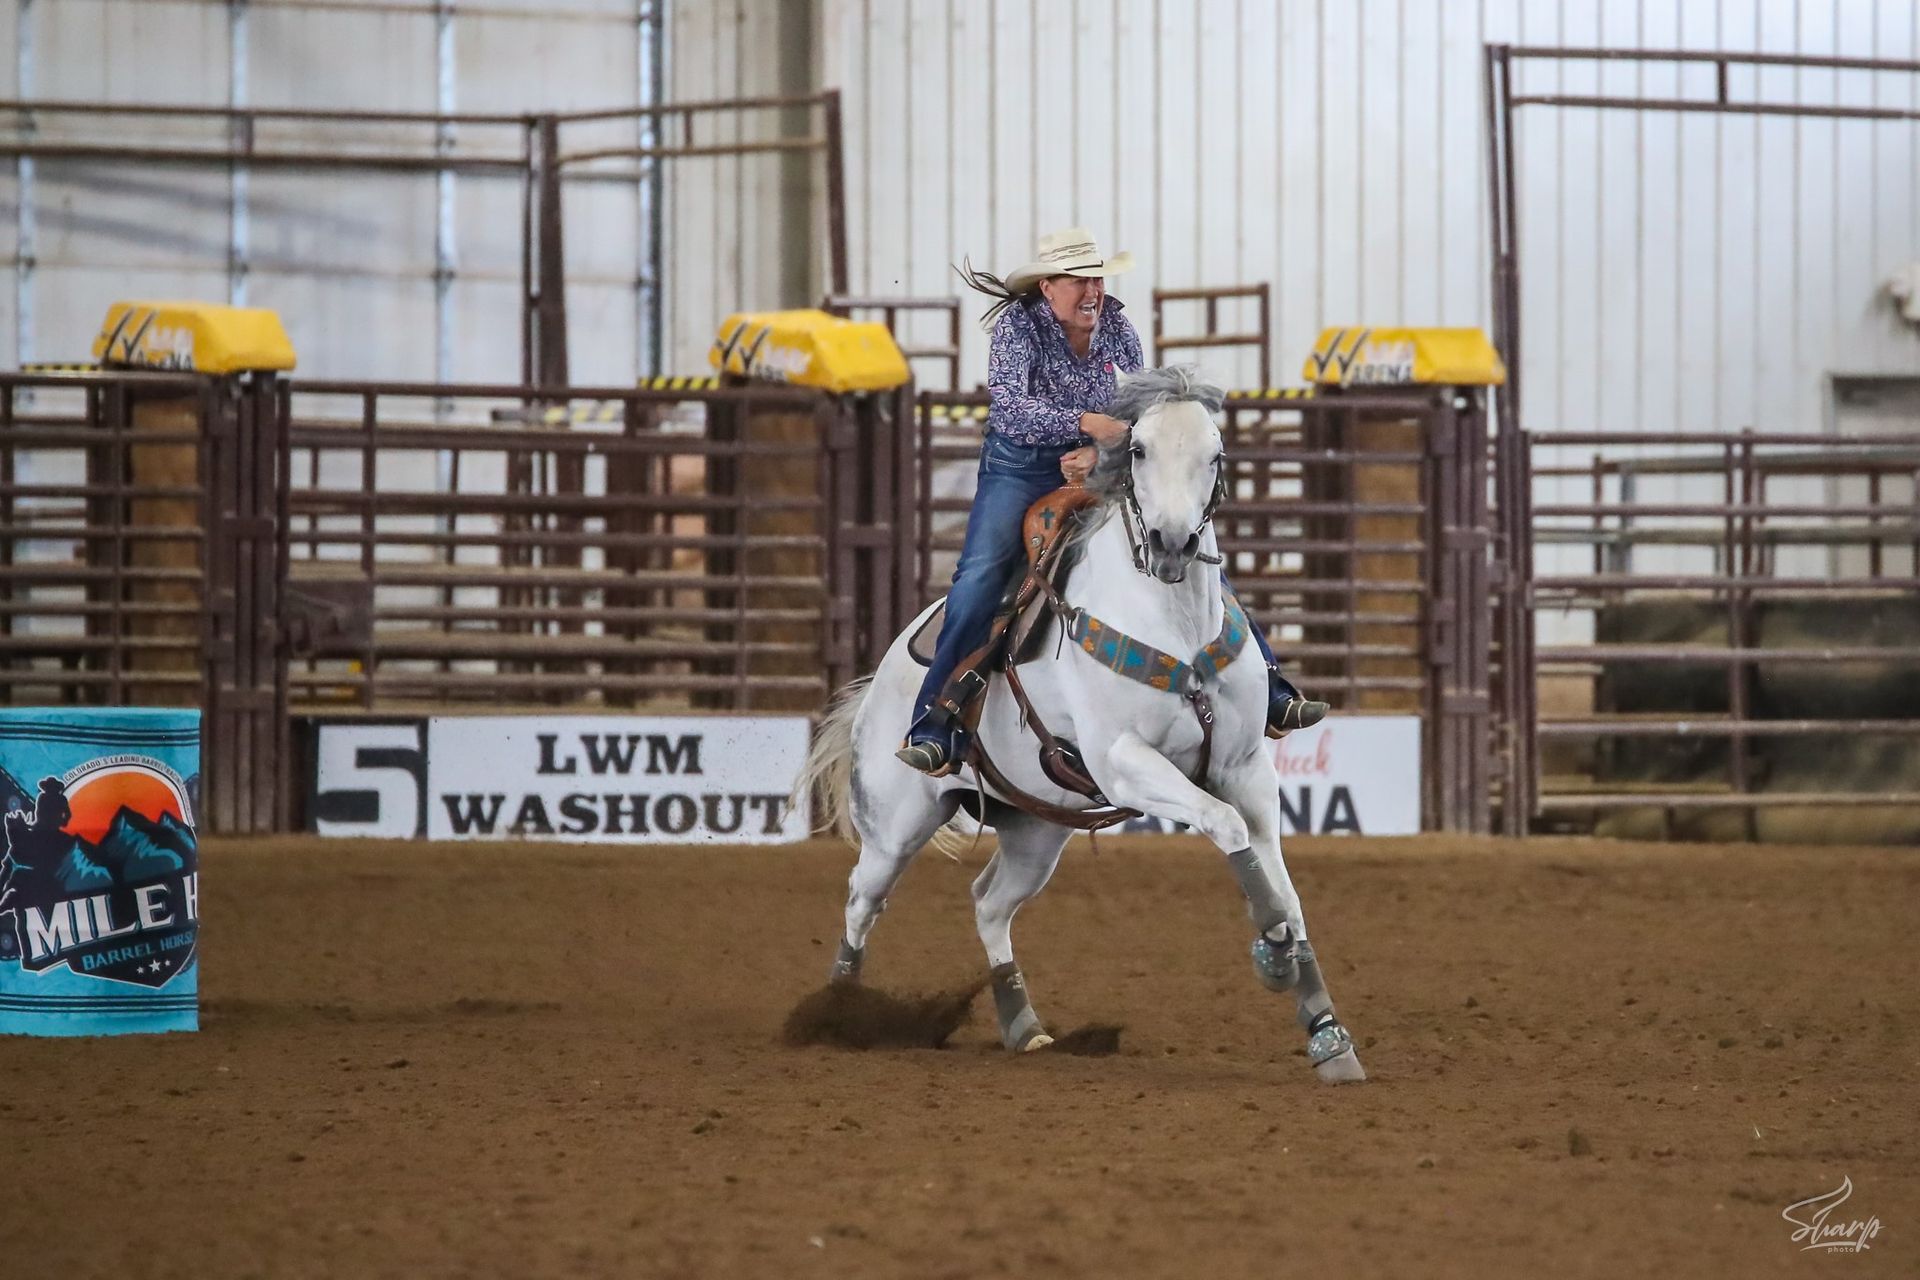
{"points": [[620, 779]]}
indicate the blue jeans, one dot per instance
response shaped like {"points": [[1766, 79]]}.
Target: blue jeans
{"points": [[1012, 477]]}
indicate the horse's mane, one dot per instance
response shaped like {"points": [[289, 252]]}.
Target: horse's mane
{"points": [[1148, 389]]}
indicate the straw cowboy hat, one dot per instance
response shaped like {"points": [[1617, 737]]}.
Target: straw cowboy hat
{"points": [[1072, 252]]}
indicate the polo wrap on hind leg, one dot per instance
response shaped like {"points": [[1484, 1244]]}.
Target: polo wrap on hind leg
{"points": [[1019, 1024]]}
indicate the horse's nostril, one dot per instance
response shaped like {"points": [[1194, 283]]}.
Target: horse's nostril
{"points": [[1155, 541], [1192, 544]]}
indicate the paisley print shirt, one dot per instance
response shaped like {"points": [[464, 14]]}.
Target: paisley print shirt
{"points": [[1040, 388]]}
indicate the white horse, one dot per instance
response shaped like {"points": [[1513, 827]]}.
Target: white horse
{"points": [[1140, 743]]}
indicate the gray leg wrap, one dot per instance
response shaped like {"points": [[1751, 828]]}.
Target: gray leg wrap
{"points": [[1326, 1038], [1274, 947], [1263, 904], [1311, 990], [1283, 962], [846, 964], [1019, 1024]]}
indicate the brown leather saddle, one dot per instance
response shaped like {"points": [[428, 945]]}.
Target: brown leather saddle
{"points": [[1023, 607], [1032, 610]]}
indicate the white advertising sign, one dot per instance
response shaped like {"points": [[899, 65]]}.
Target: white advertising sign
{"points": [[1355, 775], [617, 779]]}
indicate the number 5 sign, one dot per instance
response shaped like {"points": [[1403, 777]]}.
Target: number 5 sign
{"points": [[370, 779]]}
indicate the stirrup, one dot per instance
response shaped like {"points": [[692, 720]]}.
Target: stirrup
{"points": [[929, 758], [1296, 713]]}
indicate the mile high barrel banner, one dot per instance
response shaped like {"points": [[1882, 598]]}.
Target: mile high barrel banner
{"points": [[99, 870]]}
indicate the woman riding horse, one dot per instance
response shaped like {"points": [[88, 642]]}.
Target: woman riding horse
{"points": [[1058, 340]]}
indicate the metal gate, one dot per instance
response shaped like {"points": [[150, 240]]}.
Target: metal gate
{"points": [[260, 548], [140, 557]]}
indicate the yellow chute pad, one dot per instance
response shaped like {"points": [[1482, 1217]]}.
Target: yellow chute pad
{"points": [[809, 348], [1361, 356], [201, 337]]}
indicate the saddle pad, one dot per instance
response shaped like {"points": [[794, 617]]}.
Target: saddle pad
{"points": [[926, 637]]}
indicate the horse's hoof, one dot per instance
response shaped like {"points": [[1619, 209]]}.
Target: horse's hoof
{"points": [[1344, 1069], [1040, 1041]]}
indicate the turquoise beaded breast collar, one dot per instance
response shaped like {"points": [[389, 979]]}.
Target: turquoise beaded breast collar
{"points": [[1155, 668]]}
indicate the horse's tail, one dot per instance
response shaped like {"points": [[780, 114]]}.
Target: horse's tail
{"points": [[828, 773]]}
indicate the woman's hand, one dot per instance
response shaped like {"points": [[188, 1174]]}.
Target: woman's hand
{"points": [[1078, 465], [1103, 429]]}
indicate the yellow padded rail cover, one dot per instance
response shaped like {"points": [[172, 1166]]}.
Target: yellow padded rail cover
{"points": [[1358, 356], [203, 337], [809, 349]]}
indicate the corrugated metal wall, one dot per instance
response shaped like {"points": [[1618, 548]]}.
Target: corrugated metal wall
{"points": [[1681, 272], [1691, 272], [347, 257], [724, 231]]}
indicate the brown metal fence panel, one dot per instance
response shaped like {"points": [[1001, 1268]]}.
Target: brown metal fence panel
{"points": [[244, 730], [254, 547], [101, 539], [1728, 628], [705, 548], [140, 563], [1258, 339]]}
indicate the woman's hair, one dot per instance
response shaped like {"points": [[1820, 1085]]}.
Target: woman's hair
{"points": [[990, 284]]}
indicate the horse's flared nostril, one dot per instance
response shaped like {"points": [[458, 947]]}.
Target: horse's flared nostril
{"points": [[1192, 545]]}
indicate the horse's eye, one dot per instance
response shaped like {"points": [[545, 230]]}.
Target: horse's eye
{"points": [[1138, 451]]}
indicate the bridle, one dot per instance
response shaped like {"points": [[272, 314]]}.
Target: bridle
{"points": [[1136, 523]]}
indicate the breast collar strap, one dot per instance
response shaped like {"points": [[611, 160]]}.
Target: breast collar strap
{"points": [[1155, 668]]}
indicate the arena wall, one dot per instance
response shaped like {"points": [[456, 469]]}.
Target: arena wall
{"points": [[1690, 273], [325, 248]]}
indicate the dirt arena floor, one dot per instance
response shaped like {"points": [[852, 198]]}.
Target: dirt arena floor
{"points": [[1589, 1059]]}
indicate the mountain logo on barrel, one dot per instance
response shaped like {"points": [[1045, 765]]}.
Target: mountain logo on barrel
{"points": [[101, 874]]}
